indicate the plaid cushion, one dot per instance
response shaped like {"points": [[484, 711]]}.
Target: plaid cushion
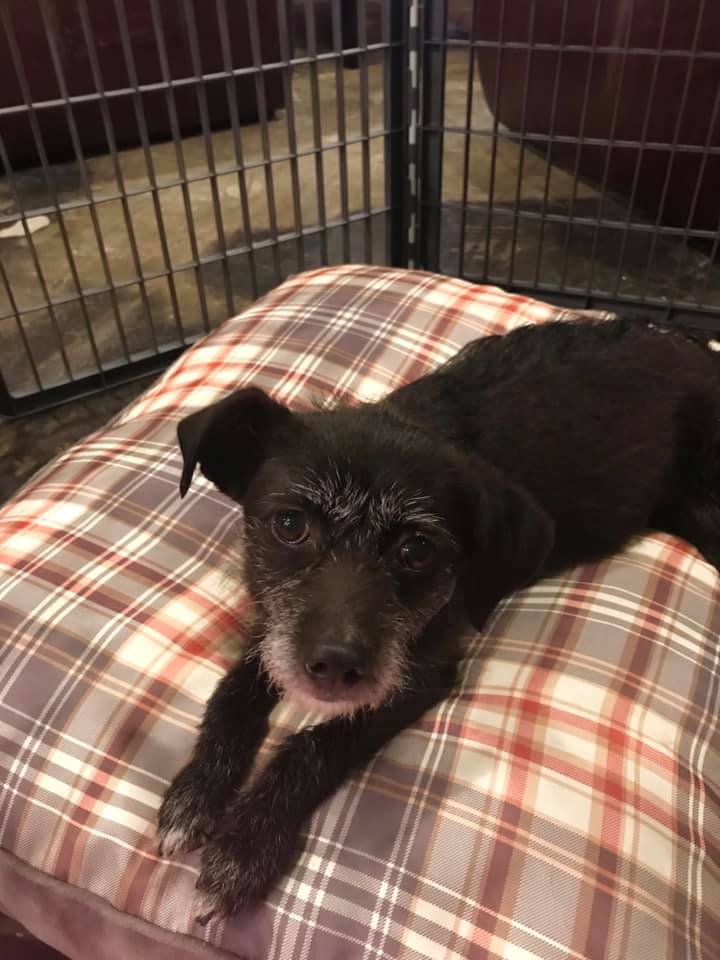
{"points": [[562, 803]]}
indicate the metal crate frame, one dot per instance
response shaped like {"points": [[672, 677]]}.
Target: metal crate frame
{"points": [[434, 47], [415, 45], [350, 47]]}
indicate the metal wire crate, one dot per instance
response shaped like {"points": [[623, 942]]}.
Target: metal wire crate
{"points": [[572, 150], [164, 162], [167, 161]]}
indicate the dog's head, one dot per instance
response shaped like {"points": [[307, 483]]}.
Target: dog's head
{"points": [[360, 532]]}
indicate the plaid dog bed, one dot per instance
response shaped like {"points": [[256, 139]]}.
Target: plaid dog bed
{"points": [[563, 803]]}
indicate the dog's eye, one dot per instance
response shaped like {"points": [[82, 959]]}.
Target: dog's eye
{"points": [[417, 553], [291, 527]]}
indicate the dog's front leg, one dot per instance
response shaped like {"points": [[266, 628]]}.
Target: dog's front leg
{"points": [[235, 722], [259, 838]]}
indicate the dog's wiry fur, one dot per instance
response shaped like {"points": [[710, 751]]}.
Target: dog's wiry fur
{"points": [[409, 520]]}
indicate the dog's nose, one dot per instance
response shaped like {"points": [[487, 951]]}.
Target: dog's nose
{"points": [[333, 670]]}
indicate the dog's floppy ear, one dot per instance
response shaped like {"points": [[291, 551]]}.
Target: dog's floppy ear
{"points": [[512, 538], [229, 439]]}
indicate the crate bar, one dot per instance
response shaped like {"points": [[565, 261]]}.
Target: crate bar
{"points": [[206, 260], [395, 101], [345, 45], [256, 54], [523, 125], [688, 233], [202, 101], [84, 178], [176, 182], [15, 314], [608, 152], [712, 258], [117, 92], [139, 110], [50, 187], [117, 168], [432, 134], [676, 133], [508, 212], [351, 14], [240, 166], [500, 47], [27, 236], [287, 77], [548, 149], [311, 41], [86, 385], [159, 35], [469, 91], [579, 140], [162, 85], [643, 140], [365, 127], [337, 41], [544, 138], [677, 53]]}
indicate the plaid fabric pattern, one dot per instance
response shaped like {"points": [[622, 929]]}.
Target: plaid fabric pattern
{"points": [[563, 803]]}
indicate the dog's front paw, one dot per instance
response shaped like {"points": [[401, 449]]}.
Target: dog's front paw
{"points": [[187, 816], [239, 867]]}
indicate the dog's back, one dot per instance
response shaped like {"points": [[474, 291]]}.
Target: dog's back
{"points": [[609, 424]]}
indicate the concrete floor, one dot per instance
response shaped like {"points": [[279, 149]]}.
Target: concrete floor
{"points": [[582, 256]]}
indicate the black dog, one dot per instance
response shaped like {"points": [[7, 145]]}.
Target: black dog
{"points": [[375, 535]]}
